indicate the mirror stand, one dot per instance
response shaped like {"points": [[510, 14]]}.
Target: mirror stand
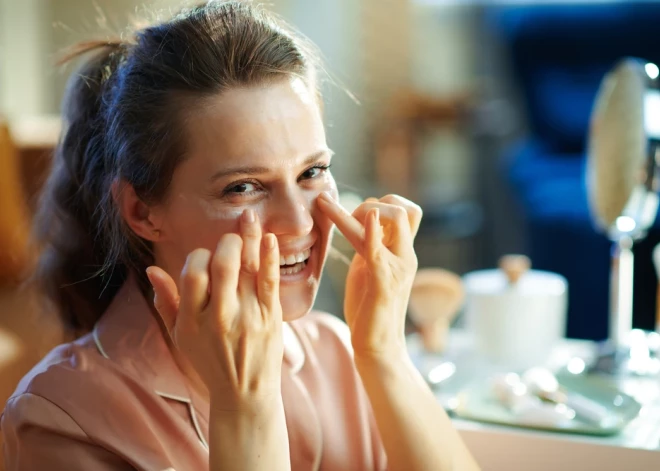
{"points": [[627, 351]]}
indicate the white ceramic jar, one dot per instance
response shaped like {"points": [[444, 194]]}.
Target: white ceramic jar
{"points": [[516, 315]]}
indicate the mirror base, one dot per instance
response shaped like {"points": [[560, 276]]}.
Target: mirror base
{"points": [[638, 355]]}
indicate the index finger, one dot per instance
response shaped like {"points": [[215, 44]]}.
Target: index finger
{"points": [[413, 210], [350, 227]]}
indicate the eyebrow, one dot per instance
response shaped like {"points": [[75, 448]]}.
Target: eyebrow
{"points": [[252, 170]]}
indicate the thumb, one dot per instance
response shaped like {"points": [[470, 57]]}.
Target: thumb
{"points": [[166, 296]]}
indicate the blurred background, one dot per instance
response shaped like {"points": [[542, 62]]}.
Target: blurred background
{"points": [[478, 111]]}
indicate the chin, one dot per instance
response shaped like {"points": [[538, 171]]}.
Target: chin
{"points": [[298, 303]]}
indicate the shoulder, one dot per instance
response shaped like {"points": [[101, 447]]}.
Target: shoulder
{"points": [[70, 380], [63, 368]]}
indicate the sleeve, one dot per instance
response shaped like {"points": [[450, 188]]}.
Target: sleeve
{"points": [[37, 434]]}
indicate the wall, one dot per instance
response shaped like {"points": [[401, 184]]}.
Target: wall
{"points": [[23, 76]]}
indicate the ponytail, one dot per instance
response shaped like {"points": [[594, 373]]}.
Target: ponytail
{"points": [[67, 221]]}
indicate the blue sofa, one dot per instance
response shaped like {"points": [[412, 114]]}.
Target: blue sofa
{"points": [[558, 55]]}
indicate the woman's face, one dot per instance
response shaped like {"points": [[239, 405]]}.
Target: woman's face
{"points": [[262, 148]]}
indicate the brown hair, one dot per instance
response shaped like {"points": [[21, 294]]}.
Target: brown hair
{"points": [[121, 115]]}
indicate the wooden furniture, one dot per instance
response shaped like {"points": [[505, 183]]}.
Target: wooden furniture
{"points": [[397, 142], [35, 139], [14, 214], [26, 147], [26, 332]]}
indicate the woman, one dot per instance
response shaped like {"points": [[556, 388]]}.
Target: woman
{"points": [[194, 171]]}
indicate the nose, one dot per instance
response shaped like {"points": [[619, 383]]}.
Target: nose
{"points": [[289, 214]]}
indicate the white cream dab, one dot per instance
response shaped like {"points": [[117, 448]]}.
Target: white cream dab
{"points": [[219, 213]]}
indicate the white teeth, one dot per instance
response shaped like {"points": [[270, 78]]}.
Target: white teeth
{"points": [[301, 257], [295, 258], [298, 267]]}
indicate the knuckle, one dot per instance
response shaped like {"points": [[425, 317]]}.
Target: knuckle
{"points": [[199, 253], [192, 278], [249, 267], [223, 271], [375, 255], [190, 266], [270, 283], [391, 198], [231, 239], [414, 262], [253, 231], [362, 209], [400, 214]]}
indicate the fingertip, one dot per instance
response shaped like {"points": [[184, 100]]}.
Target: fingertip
{"points": [[150, 275], [326, 197]]}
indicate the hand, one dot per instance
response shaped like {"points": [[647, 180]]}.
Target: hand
{"points": [[228, 320], [381, 274]]}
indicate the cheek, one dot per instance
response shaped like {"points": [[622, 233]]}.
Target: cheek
{"points": [[201, 224]]}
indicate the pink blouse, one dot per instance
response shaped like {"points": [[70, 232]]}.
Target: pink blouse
{"points": [[115, 399]]}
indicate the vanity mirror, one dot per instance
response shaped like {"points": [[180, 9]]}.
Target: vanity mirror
{"points": [[622, 183]]}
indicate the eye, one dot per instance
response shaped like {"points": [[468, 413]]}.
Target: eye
{"points": [[241, 188], [314, 172]]}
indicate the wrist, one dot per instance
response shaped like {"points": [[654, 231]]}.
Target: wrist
{"points": [[249, 435], [381, 362], [387, 352], [241, 407]]}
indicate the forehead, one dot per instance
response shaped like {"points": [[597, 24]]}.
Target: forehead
{"points": [[274, 122]]}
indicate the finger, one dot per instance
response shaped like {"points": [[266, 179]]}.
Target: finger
{"points": [[225, 270], [396, 229], [373, 237], [268, 283], [166, 296], [194, 284], [413, 210], [345, 222], [250, 255]]}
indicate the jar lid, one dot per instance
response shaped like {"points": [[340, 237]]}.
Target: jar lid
{"points": [[530, 283]]}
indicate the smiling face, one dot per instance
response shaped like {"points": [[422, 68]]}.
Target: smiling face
{"points": [[262, 148]]}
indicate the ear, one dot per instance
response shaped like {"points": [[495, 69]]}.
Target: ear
{"points": [[140, 217]]}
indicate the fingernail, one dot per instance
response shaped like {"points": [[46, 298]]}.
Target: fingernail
{"points": [[376, 214], [149, 276], [325, 196], [248, 216], [269, 240]]}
